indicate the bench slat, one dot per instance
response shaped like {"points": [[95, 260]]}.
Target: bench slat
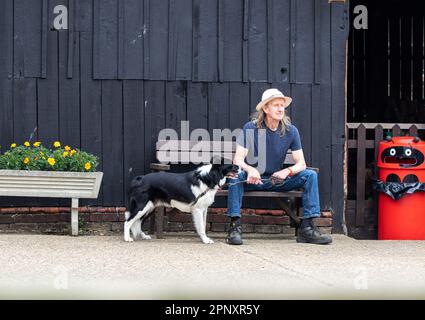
{"points": [[187, 151], [268, 194]]}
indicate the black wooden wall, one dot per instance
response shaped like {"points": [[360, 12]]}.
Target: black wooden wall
{"points": [[126, 69]]}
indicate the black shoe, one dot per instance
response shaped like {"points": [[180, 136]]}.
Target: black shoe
{"points": [[235, 233], [312, 235]]}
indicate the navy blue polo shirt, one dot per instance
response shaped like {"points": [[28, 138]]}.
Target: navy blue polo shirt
{"points": [[267, 152]]}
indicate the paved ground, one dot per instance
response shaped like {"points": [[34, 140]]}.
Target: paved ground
{"points": [[180, 267]]}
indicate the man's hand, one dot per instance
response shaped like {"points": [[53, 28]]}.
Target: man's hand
{"points": [[254, 177], [282, 174]]}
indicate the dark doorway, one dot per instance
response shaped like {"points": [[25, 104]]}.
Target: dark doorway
{"points": [[386, 63]]}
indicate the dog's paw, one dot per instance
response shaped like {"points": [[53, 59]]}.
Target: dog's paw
{"points": [[129, 239], [145, 237], [207, 240]]}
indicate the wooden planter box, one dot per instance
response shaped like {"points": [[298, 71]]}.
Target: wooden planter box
{"points": [[52, 184]]}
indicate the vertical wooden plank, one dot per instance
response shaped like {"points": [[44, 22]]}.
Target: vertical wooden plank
{"points": [[6, 74], [205, 40], [157, 34], [270, 37], [131, 34], [44, 31], [47, 95], [220, 40], [406, 56], [360, 180], [84, 15], [413, 130], [339, 33], [232, 33], [321, 140], [304, 48], [317, 39], [24, 109], [146, 44], [180, 40], [112, 143], [175, 104], [69, 89], [197, 105], [238, 105], [325, 42], [279, 18], [396, 131], [257, 46], [154, 106], [6, 39], [6, 111], [293, 39], [71, 40], [418, 33], [18, 38], [105, 42], [91, 107], [31, 18], [245, 36], [301, 115], [395, 58], [218, 106], [133, 128], [379, 136]]}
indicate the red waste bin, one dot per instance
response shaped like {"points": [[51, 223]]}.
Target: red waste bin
{"points": [[401, 160]]}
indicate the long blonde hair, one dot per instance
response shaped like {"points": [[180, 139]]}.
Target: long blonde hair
{"points": [[258, 117]]}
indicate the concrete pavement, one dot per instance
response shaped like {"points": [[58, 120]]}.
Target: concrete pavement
{"points": [[181, 267]]}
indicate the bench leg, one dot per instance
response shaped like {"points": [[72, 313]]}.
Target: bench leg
{"points": [[289, 212], [74, 217], [159, 219], [152, 223]]}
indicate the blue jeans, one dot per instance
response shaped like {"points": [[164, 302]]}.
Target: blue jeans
{"points": [[306, 179]]}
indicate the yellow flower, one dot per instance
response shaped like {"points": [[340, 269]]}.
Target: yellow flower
{"points": [[87, 166], [26, 160], [37, 144], [56, 144], [67, 148], [51, 161], [65, 154], [73, 152], [26, 144], [13, 145]]}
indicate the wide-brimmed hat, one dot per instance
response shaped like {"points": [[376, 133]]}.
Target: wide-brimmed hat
{"points": [[271, 94]]}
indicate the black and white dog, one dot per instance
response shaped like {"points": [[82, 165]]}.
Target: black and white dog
{"points": [[192, 191]]}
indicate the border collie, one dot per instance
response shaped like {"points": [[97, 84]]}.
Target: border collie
{"points": [[192, 191]]}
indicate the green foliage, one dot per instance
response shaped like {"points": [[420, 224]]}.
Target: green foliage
{"points": [[38, 157]]}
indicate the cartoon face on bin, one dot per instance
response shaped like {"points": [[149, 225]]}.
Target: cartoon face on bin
{"points": [[404, 156]]}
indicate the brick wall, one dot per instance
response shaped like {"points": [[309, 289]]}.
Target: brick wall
{"points": [[100, 220]]}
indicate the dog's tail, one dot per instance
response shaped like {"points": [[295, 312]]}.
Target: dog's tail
{"points": [[127, 215]]}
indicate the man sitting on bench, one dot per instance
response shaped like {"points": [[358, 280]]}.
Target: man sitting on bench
{"points": [[266, 140]]}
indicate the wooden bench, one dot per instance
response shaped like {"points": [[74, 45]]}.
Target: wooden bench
{"points": [[179, 152]]}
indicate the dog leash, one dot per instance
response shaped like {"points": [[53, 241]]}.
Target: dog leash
{"points": [[278, 182], [274, 180]]}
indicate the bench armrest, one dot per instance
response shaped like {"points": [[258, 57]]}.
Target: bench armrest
{"points": [[160, 167]]}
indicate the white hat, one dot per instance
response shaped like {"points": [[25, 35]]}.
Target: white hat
{"points": [[271, 94]]}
